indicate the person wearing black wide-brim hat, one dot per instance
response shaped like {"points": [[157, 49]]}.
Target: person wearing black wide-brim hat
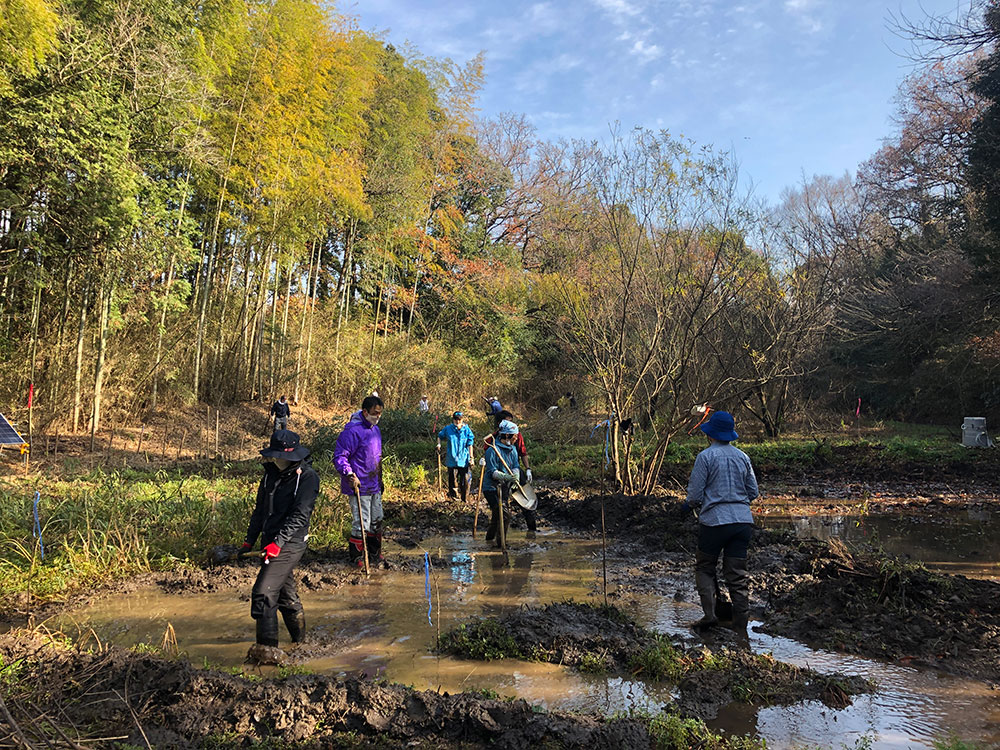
{"points": [[722, 485], [285, 500]]}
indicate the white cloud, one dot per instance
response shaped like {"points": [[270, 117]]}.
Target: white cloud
{"points": [[647, 52], [618, 8]]}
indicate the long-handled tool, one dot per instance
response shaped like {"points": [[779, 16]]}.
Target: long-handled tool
{"points": [[364, 534], [479, 497], [439, 468], [503, 540]]}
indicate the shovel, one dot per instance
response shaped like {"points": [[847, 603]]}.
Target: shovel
{"points": [[227, 553]]}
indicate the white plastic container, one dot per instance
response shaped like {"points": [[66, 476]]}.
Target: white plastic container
{"points": [[974, 434]]}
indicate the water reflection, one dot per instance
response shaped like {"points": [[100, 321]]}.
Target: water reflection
{"points": [[380, 628], [965, 542]]}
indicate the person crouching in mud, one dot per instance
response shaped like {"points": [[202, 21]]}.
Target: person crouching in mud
{"points": [[498, 479], [285, 501], [722, 485], [358, 458]]}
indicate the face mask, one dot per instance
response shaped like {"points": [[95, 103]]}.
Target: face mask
{"points": [[372, 420]]}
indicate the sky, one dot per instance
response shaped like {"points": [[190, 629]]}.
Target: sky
{"points": [[794, 88]]}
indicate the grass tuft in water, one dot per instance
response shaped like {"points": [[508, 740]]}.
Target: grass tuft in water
{"points": [[486, 640]]}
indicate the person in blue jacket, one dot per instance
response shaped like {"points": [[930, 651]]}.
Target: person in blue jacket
{"points": [[458, 440], [498, 478]]}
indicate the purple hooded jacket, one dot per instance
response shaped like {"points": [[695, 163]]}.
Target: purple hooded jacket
{"points": [[359, 451]]}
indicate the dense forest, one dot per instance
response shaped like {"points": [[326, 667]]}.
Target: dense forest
{"points": [[219, 201]]}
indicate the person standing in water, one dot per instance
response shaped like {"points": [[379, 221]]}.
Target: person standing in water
{"points": [[286, 497]]}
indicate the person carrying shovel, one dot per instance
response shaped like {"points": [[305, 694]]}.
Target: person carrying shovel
{"points": [[500, 474], [458, 440], [722, 485], [358, 458], [285, 501]]}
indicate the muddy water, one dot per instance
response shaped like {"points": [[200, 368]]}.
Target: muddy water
{"points": [[381, 628], [966, 542]]}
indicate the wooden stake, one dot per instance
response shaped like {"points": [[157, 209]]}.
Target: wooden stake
{"points": [[180, 446], [138, 445], [216, 433], [163, 443]]}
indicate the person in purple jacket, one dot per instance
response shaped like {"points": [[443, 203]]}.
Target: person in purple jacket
{"points": [[358, 458]]}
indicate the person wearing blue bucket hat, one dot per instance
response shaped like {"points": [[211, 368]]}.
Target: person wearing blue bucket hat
{"points": [[722, 486]]}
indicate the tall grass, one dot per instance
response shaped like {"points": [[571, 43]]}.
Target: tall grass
{"points": [[107, 526]]}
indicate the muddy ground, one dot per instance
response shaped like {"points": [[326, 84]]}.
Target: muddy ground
{"points": [[598, 639], [816, 592], [113, 697]]}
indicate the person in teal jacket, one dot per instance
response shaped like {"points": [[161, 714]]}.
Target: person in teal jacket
{"points": [[498, 479], [458, 440]]}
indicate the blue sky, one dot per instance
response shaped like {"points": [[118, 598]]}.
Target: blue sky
{"points": [[793, 87]]}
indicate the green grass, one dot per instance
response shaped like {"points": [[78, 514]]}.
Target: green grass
{"points": [[487, 640], [671, 732], [105, 526]]}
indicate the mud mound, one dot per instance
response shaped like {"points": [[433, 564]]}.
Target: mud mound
{"points": [[761, 680], [869, 604], [655, 521], [604, 639], [167, 703]]}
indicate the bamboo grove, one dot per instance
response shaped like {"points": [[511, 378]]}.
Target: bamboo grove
{"points": [[224, 200]]}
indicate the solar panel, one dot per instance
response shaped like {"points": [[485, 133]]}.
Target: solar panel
{"points": [[8, 435]]}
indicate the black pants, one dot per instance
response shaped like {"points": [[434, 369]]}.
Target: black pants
{"points": [[275, 589], [493, 498], [734, 538], [462, 474]]}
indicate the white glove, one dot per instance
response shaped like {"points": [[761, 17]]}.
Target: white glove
{"points": [[527, 475], [482, 462]]}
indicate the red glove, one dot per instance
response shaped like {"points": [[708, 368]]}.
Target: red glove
{"points": [[271, 550], [246, 547]]}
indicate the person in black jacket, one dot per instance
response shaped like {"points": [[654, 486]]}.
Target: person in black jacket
{"points": [[280, 410], [285, 501]]}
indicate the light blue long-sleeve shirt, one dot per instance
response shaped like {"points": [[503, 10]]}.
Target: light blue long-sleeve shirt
{"points": [[457, 441], [722, 484], [493, 463]]}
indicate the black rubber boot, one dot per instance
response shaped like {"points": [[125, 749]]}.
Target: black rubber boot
{"points": [[267, 631], [355, 551], [296, 624], [704, 581], [735, 571], [374, 542]]}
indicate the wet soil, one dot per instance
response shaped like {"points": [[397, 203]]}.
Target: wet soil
{"points": [[604, 639], [864, 602], [147, 700]]}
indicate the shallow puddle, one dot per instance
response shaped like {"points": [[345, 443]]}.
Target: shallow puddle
{"points": [[966, 542], [382, 628]]}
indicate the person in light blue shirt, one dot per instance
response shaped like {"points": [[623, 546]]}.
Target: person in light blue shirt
{"points": [[721, 488], [458, 440]]}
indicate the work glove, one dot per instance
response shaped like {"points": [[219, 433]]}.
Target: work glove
{"points": [[271, 550], [482, 462], [527, 475], [439, 447], [245, 547], [502, 476], [686, 509], [355, 483]]}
